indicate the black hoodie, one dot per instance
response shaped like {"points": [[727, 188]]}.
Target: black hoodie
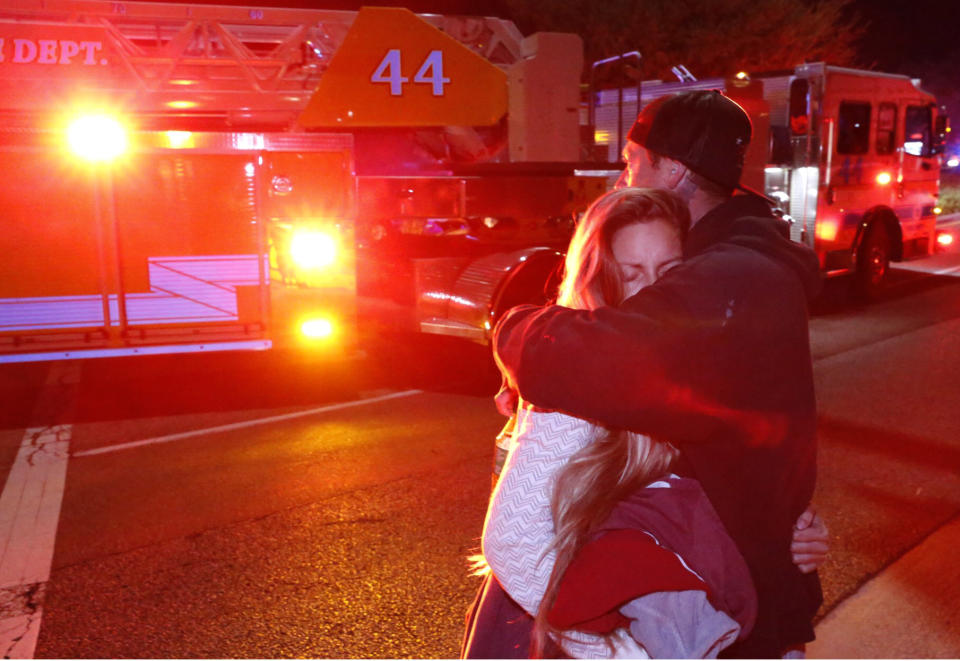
{"points": [[715, 357]]}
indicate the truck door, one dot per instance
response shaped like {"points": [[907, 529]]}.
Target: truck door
{"points": [[187, 245], [308, 214], [849, 191], [918, 176], [51, 278]]}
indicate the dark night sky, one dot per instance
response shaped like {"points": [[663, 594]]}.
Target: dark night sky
{"points": [[900, 32], [914, 32], [919, 38]]}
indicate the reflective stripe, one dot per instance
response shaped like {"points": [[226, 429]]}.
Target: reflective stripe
{"points": [[252, 345]]}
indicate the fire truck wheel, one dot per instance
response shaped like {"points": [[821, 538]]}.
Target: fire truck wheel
{"points": [[873, 262]]}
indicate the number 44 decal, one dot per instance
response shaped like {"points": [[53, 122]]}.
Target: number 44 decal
{"points": [[430, 72]]}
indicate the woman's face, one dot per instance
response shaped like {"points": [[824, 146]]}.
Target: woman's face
{"points": [[645, 251]]}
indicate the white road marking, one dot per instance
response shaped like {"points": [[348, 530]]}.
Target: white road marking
{"points": [[952, 269], [29, 513], [241, 425]]}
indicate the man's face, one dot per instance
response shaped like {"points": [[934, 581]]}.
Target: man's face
{"points": [[639, 171]]}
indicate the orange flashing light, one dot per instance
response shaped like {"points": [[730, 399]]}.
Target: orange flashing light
{"points": [[884, 178], [316, 329], [312, 249], [827, 230], [179, 139]]}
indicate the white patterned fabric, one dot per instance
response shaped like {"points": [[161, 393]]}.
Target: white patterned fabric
{"points": [[519, 524]]}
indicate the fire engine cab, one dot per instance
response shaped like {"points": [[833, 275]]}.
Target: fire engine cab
{"points": [[852, 158], [184, 178]]}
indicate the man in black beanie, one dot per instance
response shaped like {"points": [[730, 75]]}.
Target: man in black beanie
{"points": [[714, 356]]}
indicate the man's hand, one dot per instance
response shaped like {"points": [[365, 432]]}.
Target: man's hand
{"points": [[810, 541], [507, 400]]}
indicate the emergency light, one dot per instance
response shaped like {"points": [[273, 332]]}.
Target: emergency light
{"points": [[317, 328], [179, 139], [312, 249], [97, 138]]}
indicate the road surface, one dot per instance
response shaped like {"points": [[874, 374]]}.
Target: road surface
{"points": [[248, 507]]}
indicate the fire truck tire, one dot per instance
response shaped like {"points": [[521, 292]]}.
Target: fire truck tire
{"points": [[873, 262]]}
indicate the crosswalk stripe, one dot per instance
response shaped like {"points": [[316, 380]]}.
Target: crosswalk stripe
{"points": [[29, 514]]}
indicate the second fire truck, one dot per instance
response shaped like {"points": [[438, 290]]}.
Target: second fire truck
{"points": [[851, 157]]}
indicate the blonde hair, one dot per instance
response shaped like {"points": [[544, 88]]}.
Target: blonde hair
{"points": [[617, 462]]}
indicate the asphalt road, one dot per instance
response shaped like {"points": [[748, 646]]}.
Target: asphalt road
{"points": [[264, 519]]}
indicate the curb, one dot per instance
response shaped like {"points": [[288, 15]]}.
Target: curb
{"points": [[909, 610]]}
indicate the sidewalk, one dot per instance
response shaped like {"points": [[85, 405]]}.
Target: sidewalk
{"points": [[910, 610]]}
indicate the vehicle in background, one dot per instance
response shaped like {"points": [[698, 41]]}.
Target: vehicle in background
{"points": [[852, 159]]}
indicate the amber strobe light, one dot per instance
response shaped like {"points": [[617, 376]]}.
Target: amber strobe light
{"points": [[312, 249], [316, 328]]}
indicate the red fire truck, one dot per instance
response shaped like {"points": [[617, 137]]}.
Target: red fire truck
{"points": [[186, 178], [851, 156]]}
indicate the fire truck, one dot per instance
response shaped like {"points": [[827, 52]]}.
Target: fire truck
{"points": [[851, 157], [182, 178]]}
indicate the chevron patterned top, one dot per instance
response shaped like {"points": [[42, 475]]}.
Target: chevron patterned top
{"points": [[519, 523]]}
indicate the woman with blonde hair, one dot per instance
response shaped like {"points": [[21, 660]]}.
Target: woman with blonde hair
{"points": [[607, 552]]}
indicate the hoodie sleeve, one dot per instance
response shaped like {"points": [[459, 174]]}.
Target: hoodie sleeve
{"points": [[680, 360]]}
